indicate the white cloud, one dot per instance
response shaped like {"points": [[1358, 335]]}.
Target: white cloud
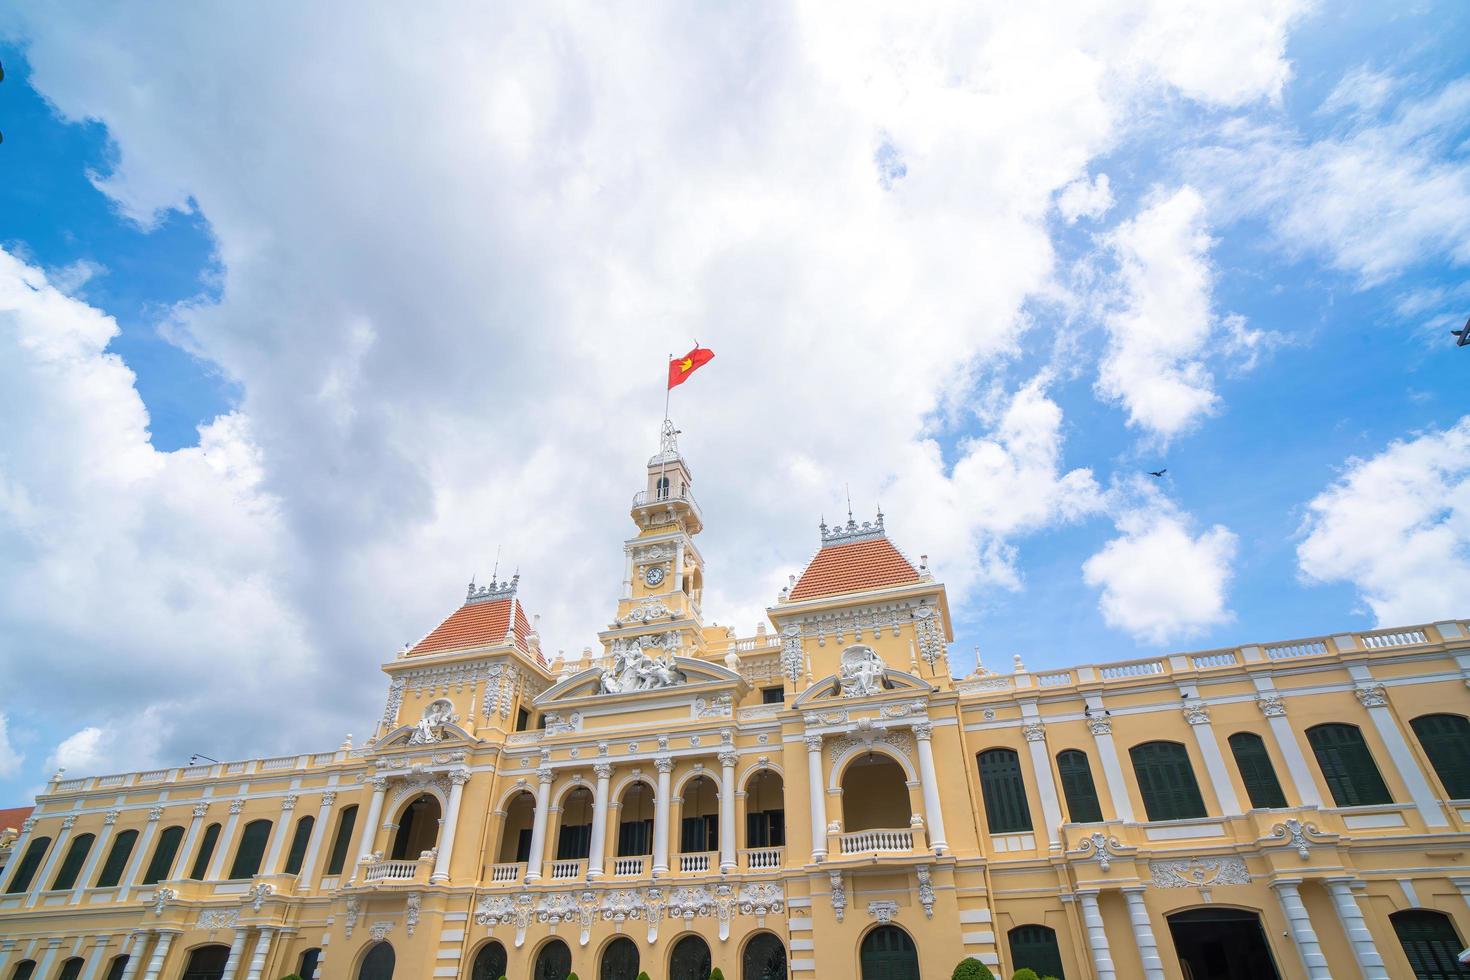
{"points": [[1162, 320], [1084, 198], [454, 253], [1160, 580], [1397, 527], [1361, 90], [10, 758]]}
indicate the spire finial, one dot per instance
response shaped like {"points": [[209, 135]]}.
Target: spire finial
{"points": [[848, 490]]}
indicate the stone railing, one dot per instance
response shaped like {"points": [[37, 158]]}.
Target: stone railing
{"points": [[567, 870], [503, 873], [390, 871], [760, 858], [199, 773], [879, 841], [629, 867], [694, 863]]}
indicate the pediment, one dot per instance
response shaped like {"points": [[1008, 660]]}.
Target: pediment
{"points": [[893, 682], [699, 677], [412, 735]]}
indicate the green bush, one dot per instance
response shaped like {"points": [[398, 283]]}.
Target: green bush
{"points": [[641, 975], [292, 976], [570, 976], [969, 969], [1025, 973], [715, 974]]}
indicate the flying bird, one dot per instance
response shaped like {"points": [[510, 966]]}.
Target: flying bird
{"points": [[1158, 473], [1464, 334]]}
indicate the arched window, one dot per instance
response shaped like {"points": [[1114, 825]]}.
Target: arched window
{"points": [[206, 851], [874, 794], [490, 962], [251, 850], [377, 964], [1256, 771], [1446, 740], [1166, 781], [66, 878], [699, 824], [206, 962], [306, 969], [574, 836], [299, 840], [1004, 791], [117, 859], [70, 969], [515, 829], [690, 959], [1430, 944], [764, 958], [26, 870], [635, 821], [661, 488], [418, 828], [765, 810], [619, 960], [888, 953], [162, 863], [117, 967], [1077, 786], [342, 839], [1347, 765], [1035, 946], [23, 970], [554, 961]]}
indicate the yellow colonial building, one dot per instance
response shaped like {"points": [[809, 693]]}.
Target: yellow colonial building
{"points": [[820, 799]]}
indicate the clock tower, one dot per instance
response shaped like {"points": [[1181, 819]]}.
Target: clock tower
{"points": [[663, 581]]}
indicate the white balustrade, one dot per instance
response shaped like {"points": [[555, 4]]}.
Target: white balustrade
{"points": [[764, 857], [506, 872], [694, 862], [1206, 661], [1401, 638], [879, 840], [281, 762], [566, 870], [629, 867], [1286, 651], [1054, 680], [1142, 668], [391, 871]]}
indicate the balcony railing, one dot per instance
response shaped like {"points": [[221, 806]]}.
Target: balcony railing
{"points": [[880, 841], [391, 871], [694, 863], [629, 867], [507, 872], [567, 870], [757, 858], [648, 498]]}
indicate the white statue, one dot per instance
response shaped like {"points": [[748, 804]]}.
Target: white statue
{"points": [[861, 672], [430, 728], [634, 670]]}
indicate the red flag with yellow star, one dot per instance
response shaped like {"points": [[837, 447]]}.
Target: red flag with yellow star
{"points": [[680, 368]]}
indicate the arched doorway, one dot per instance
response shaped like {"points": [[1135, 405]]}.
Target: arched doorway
{"points": [[574, 836], [765, 817], [699, 823], [206, 963], [418, 829], [515, 839], [635, 821], [378, 963], [489, 962], [554, 961], [1035, 946], [888, 953], [690, 959], [71, 969], [1222, 944], [619, 960], [764, 958], [1430, 944], [875, 794]]}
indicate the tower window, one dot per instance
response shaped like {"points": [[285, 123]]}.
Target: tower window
{"points": [[773, 695]]}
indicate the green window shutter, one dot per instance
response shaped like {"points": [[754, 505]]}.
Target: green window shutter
{"points": [[162, 863], [1078, 787], [26, 870], [1347, 765], [1430, 943], [72, 865], [251, 850], [1166, 781], [206, 851], [1256, 771], [1035, 946], [1004, 792], [117, 859], [1446, 741], [345, 823], [299, 842]]}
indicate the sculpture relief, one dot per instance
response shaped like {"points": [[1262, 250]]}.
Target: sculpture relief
{"points": [[430, 728], [861, 673], [634, 670]]}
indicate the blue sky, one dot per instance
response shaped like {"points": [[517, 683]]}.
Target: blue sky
{"points": [[398, 297]]}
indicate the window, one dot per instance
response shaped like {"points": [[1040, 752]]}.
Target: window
{"points": [[72, 866], [764, 958], [619, 960], [1256, 771], [206, 962], [1166, 781], [23, 970], [661, 488], [765, 829], [773, 695], [1446, 740], [26, 870], [206, 851], [1348, 766], [118, 967], [1077, 786], [554, 961], [117, 859], [690, 959], [251, 850], [340, 842], [1004, 791], [635, 837], [306, 969], [1035, 947], [162, 864], [489, 964], [1430, 944], [523, 719], [573, 843], [71, 969], [699, 834], [378, 963], [299, 841]]}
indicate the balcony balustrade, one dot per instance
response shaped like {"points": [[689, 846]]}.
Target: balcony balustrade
{"points": [[877, 841], [568, 870], [503, 873], [629, 867], [695, 863], [763, 858]]}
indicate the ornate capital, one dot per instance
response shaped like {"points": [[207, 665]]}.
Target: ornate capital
{"points": [[288, 803], [923, 731], [155, 814], [1034, 732], [1197, 714], [459, 777], [27, 825], [1271, 705], [201, 809], [110, 818], [378, 783], [814, 743], [68, 823], [236, 806], [329, 798], [602, 770], [546, 774], [1100, 726], [1372, 696], [729, 759], [664, 765]]}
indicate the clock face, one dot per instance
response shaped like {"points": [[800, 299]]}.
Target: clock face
{"points": [[653, 574]]}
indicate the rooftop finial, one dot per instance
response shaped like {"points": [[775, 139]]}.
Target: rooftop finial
{"points": [[852, 531], [848, 490]]}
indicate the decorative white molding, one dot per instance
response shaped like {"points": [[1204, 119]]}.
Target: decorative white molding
{"points": [[1371, 696], [1297, 834], [883, 911], [839, 894], [219, 918], [861, 672], [926, 890], [1198, 872], [1271, 705], [1103, 848], [930, 635], [1100, 726], [1034, 731]]}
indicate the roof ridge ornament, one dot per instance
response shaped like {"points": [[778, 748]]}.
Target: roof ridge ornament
{"points": [[852, 531], [668, 444], [495, 590]]}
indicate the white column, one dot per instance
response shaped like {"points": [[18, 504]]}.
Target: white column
{"points": [[1143, 934], [1097, 936], [375, 811], [262, 950], [819, 797], [225, 842], [1107, 755], [237, 950], [279, 833], [1051, 806], [1303, 936], [457, 779], [43, 967], [17, 851], [596, 855], [319, 830], [538, 826], [137, 943], [929, 786], [42, 881], [1463, 884], [727, 811], [160, 953], [95, 958], [84, 880], [135, 864], [191, 837], [661, 818], [1365, 951], [1274, 708], [1375, 699], [1198, 716]]}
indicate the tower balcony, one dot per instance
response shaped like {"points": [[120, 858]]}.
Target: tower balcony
{"points": [[676, 501]]}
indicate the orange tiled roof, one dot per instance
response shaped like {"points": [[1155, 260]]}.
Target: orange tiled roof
{"points": [[475, 624], [12, 819], [854, 566]]}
